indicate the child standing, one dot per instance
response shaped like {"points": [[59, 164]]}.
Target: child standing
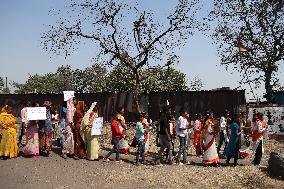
{"points": [[139, 135]]}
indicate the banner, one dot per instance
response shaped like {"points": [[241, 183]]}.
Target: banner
{"points": [[68, 95], [97, 126], [36, 113], [274, 117]]}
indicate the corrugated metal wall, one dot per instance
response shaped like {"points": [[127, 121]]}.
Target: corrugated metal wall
{"points": [[193, 101]]}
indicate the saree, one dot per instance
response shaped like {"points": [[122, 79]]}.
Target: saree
{"points": [[91, 141], [8, 141], [32, 140], [210, 151], [196, 140], [68, 144], [79, 148], [233, 145], [146, 136]]}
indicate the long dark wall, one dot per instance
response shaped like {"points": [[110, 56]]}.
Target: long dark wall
{"points": [[193, 101]]}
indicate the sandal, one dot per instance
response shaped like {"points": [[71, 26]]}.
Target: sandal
{"points": [[106, 160]]}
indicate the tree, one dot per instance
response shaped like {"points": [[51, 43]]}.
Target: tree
{"points": [[153, 79], [250, 35], [97, 79], [65, 79], [124, 34]]}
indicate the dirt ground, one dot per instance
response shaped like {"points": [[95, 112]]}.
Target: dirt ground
{"points": [[55, 172]]}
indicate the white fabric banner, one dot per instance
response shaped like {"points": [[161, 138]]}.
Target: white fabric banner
{"points": [[36, 113], [97, 126], [68, 95]]}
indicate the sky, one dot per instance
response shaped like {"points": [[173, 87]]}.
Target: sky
{"points": [[23, 21]]}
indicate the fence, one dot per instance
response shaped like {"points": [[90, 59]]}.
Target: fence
{"points": [[193, 101]]}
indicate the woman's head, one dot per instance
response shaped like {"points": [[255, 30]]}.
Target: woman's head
{"points": [[209, 115], [140, 117], [80, 106], [236, 118], [120, 110], [260, 115], [7, 108], [198, 116]]}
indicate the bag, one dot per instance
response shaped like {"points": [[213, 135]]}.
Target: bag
{"points": [[134, 142]]}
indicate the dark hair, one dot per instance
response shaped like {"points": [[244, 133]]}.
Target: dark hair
{"points": [[10, 103], [226, 111], [139, 115], [259, 114], [166, 109], [207, 115], [181, 111], [119, 109], [199, 115], [235, 117]]}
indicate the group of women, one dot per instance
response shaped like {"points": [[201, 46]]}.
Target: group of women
{"points": [[77, 141], [208, 131], [36, 135]]}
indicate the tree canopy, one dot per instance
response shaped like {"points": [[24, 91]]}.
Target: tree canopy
{"points": [[124, 33], [97, 79], [250, 37]]}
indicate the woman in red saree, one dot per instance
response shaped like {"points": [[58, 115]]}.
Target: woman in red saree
{"points": [[210, 151], [79, 146]]}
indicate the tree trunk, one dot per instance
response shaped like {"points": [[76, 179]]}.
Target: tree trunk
{"points": [[268, 86], [136, 92]]}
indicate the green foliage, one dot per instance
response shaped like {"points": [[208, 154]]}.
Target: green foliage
{"points": [[97, 79]]}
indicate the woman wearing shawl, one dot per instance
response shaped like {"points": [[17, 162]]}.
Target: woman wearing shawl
{"points": [[8, 134], [91, 142], [79, 150], [232, 149], [210, 150], [68, 145]]}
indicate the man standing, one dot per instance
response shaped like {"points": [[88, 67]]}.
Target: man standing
{"points": [[223, 134], [165, 137], [182, 133]]}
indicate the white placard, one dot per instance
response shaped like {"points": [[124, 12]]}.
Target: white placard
{"points": [[68, 95], [274, 117], [36, 113], [97, 126]]}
